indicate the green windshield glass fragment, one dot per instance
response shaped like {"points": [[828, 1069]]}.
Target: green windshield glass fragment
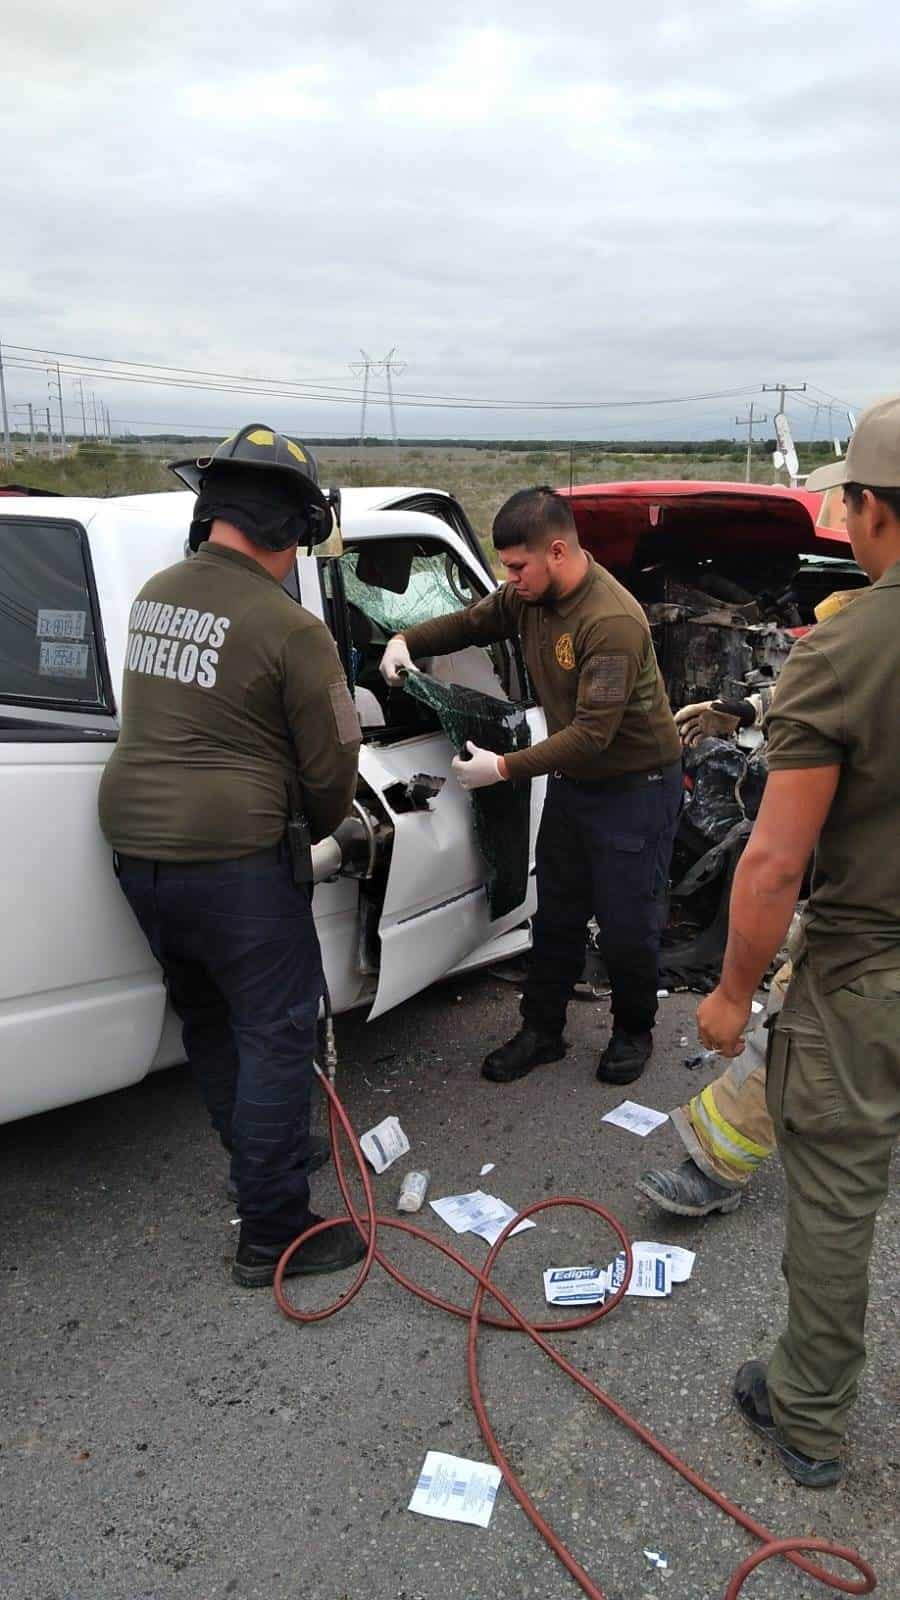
{"points": [[502, 812]]}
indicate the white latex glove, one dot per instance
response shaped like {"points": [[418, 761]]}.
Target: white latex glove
{"points": [[478, 771], [697, 722], [396, 659]]}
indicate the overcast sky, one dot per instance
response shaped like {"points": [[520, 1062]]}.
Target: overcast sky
{"points": [[580, 202]]}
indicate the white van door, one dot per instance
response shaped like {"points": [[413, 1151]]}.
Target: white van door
{"points": [[434, 912], [81, 999]]}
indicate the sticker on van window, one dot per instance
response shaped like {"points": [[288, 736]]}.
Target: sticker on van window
{"points": [[63, 661], [61, 625]]}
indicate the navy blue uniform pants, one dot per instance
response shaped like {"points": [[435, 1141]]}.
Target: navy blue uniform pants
{"points": [[239, 951], [602, 850]]}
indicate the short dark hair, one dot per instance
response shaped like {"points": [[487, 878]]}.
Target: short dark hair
{"points": [[888, 497], [533, 517]]}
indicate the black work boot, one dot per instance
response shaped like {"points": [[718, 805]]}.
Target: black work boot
{"points": [[686, 1191], [528, 1049], [625, 1057], [751, 1396], [318, 1155], [254, 1265]]}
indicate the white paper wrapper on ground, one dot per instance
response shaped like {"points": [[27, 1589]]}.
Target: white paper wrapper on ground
{"points": [[575, 1286], [477, 1212], [456, 1489], [636, 1118], [658, 1559], [384, 1144], [682, 1260], [413, 1190]]}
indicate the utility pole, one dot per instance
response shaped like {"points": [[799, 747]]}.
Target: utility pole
{"points": [[58, 393], [391, 366], [62, 420], [96, 424], [7, 442], [49, 437], [83, 412], [786, 454], [748, 422], [781, 389], [31, 428]]}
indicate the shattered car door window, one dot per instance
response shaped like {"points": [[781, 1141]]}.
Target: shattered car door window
{"points": [[416, 588], [502, 812]]}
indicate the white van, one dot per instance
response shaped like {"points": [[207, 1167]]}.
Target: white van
{"points": [[400, 898]]}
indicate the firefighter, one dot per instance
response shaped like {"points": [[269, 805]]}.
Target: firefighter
{"points": [[239, 735], [726, 1129], [613, 759]]}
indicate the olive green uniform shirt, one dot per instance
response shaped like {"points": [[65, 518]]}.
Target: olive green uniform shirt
{"points": [[837, 703], [591, 660], [234, 698]]}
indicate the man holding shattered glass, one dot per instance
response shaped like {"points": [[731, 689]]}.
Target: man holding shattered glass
{"points": [[613, 759]]}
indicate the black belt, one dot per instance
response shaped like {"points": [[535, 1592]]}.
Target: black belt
{"points": [[624, 782], [257, 858]]}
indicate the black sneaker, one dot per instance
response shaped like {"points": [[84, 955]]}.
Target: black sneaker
{"points": [[625, 1057], [528, 1049], [318, 1156], [686, 1191], [751, 1396], [254, 1266]]}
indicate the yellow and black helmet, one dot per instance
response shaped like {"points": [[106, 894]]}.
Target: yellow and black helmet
{"points": [[259, 447]]}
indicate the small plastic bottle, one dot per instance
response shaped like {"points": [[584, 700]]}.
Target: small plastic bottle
{"points": [[413, 1191]]}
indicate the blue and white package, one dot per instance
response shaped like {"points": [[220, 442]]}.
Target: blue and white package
{"points": [[651, 1278], [575, 1286]]}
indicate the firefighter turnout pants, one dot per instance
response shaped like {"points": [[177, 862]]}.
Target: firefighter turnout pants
{"points": [[726, 1129]]}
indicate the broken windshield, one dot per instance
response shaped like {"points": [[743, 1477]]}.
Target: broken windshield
{"points": [[397, 584]]}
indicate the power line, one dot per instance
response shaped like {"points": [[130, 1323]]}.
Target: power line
{"points": [[248, 385]]}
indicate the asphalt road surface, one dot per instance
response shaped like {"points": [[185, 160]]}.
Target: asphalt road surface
{"points": [[165, 1435]]}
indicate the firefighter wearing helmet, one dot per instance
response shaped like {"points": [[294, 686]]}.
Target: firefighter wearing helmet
{"points": [[239, 741]]}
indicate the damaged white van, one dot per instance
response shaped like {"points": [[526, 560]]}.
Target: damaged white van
{"points": [[402, 895]]}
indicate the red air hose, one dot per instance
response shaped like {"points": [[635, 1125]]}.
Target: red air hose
{"points": [[368, 1226]]}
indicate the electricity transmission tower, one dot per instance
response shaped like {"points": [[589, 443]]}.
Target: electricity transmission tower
{"points": [[391, 368], [362, 369]]}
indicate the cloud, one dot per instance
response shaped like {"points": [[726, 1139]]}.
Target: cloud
{"points": [[607, 202]]}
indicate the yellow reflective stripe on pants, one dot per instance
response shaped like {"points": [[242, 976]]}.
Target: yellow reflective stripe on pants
{"points": [[725, 1143]]}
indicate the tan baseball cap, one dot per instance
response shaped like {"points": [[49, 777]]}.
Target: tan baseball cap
{"points": [[873, 454]]}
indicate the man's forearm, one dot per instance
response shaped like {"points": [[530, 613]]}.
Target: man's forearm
{"points": [[763, 900], [440, 636]]}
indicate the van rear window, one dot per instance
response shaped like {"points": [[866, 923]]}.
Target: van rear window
{"points": [[50, 653]]}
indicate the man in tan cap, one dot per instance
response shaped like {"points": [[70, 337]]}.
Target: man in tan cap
{"points": [[833, 1082]]}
